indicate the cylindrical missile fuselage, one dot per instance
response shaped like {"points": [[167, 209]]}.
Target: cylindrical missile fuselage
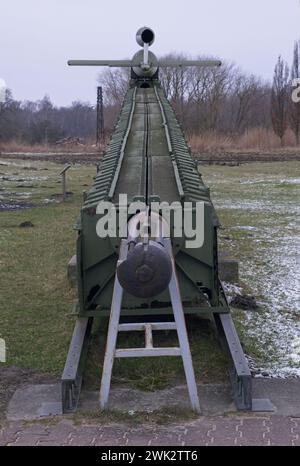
{"points": [[147, 269]]}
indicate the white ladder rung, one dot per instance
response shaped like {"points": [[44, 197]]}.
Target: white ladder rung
{"points": [[141, 326], [144, 352]]}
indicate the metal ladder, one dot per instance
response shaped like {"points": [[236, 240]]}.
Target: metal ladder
{"points": [[149, 350]]}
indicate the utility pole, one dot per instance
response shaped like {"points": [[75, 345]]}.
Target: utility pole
{"points": [[100, 118]]}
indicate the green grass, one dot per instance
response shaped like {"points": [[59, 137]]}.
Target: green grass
{"points": [[35, 297], [151, 374]]}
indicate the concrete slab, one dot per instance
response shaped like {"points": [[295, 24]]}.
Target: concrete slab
{"points": [[36, 401], [228, 268], [214, 399], [283, 393]]}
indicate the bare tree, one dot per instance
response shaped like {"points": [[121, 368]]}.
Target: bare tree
{"points": [[294, 107], [197, 93], [115, 84], [243, 99], [279, 98]]}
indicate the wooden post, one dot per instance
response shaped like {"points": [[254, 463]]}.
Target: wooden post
{"points": [[63, 180]]}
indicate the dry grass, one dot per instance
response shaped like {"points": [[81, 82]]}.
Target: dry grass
{"points": [[19, 146], [256, 139]]}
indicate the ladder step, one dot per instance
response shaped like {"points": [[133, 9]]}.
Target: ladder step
{"points": [[141, 326], [142, 352]]}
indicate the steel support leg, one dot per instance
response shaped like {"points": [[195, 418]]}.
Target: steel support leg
{"points": [[240, 374], [72, 374], [112, 334]]}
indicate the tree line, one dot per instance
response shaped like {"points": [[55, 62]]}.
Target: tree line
{"points": [[223, 100], [42, 123], [220, 99]]}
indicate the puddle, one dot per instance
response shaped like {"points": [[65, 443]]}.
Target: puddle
{"points": [[7, 206], [23, 179]]}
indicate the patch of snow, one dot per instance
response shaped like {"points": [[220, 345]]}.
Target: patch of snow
{"points": [[244, 227], [231, 289]]}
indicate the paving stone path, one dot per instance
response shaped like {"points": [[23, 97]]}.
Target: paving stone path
{"points": [[216, 430]]}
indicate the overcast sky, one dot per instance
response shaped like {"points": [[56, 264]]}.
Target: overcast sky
{"points": [[37, 37]]}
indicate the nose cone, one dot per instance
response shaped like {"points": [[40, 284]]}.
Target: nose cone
{"points": [[147, 270]]}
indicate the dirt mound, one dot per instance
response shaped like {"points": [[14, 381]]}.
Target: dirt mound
{"points": [[244, 302]]}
